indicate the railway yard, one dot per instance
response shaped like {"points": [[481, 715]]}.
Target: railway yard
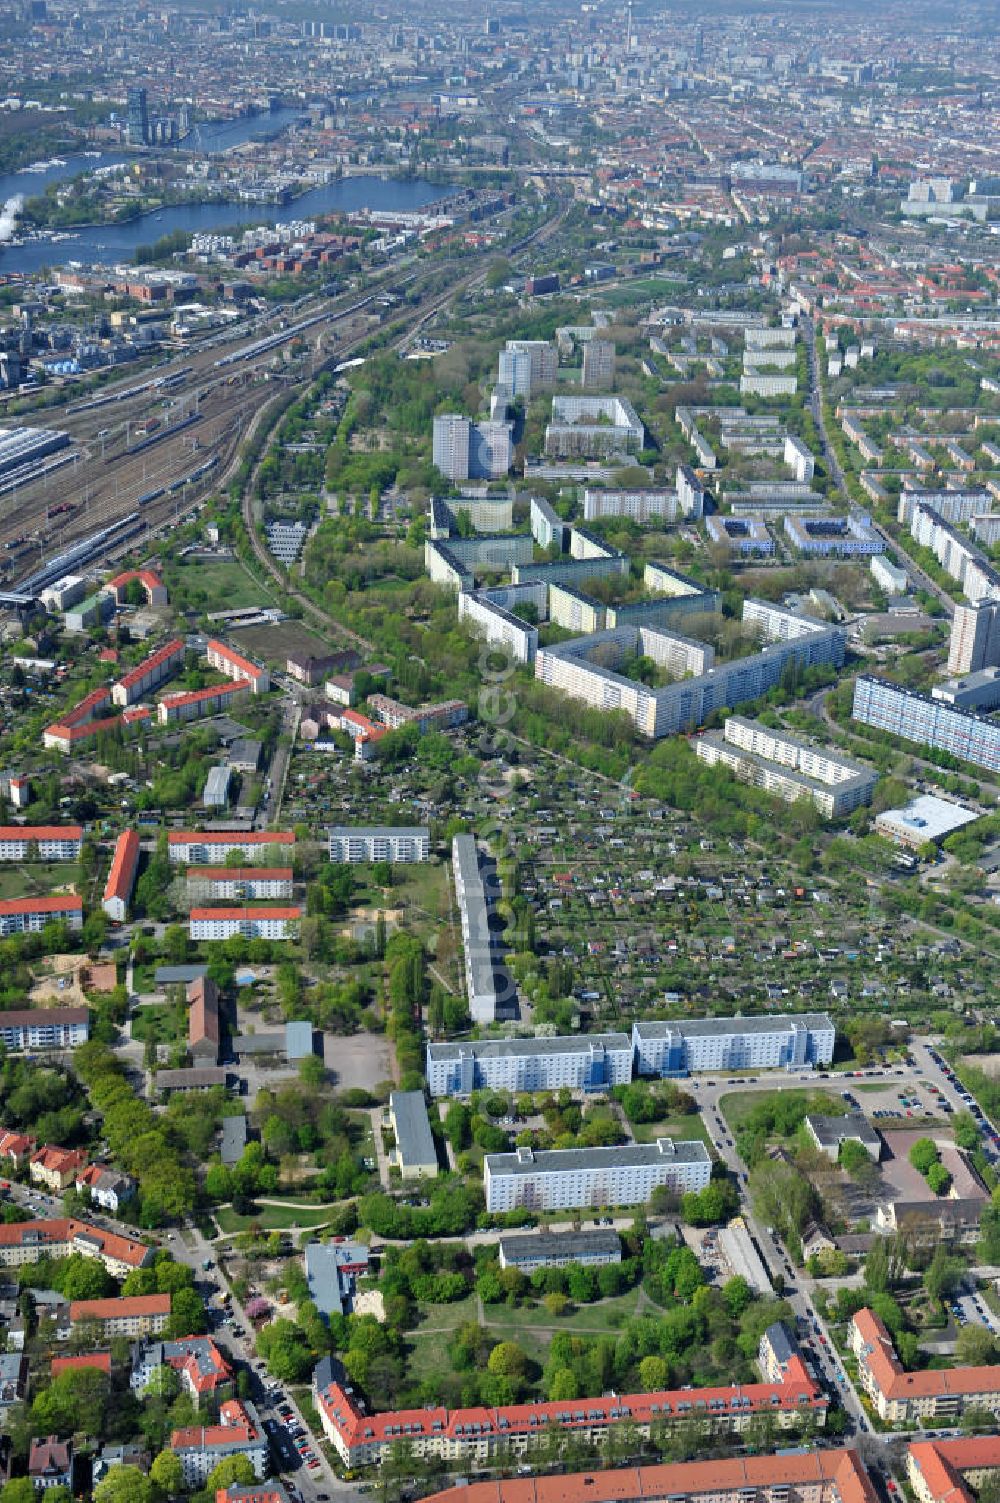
{"points": [[154, 445]]}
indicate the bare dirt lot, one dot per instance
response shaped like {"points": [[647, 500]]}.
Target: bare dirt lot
{"points": [[364, 1060], [275, 644], [58, 983]]}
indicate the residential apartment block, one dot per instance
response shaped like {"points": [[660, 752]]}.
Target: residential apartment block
{"points": [[401, 843], [52, 842], [145, 677], [195, 705], [691, 1045], [498, 625], [833, 537], [790, 768], [902, 1397], [477, 938], [259, 883], [133, 1315], [30, 1241], [585, 667], [251, 922], [559, 1179], [197, 1361], [364, 1439], [238, 1433], [45, 1028], [795, 1475], [464, 450], [30, 915], [638, 506], [584, 427], [547, 527], [528, 366], [237, 667], [927, 721], [121, 878], [952, 1470], [592, 1062], [974, 643], [746, 536], [197, 847], [598, 364]]}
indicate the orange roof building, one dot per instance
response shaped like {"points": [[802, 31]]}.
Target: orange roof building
{"points": [[121, 878], [99, 1360], [362, 1439], [234, 665], [145, 676], [901, 1396], [30, 915], [30, 1241], [799, 1477], [132, 1315], [952, 1471]]}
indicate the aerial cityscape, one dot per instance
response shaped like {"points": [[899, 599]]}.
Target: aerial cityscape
{"points": [[500, 752]]}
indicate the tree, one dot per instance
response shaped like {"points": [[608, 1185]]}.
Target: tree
{"points": [[21, 1490], [231, 1469], [653, 1373], [125, 1484], [965, 1130], [943, 1273], [507, 1360], [939, 1179], [167, 1472], [563, 1385], [736, 1294], [975, 1346], [923, 1154]]}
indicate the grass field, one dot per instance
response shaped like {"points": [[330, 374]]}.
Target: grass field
{"points": [[221, 585], [35, 877], [272, 1218], [163, 1024], [422, 884], [738, 1105], [532, 1328], [687, 1127]]}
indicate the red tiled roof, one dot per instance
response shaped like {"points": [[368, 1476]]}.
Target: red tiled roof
{"points": [[41, 832], [241, 873], [59, 1159], [66, 1231], [155, 660], [236, 658], [842, 1469], [197, 696], [59, 903], [122, 873], [100, 1360], [358, 1428], [894, 1382], [119, 1309]]}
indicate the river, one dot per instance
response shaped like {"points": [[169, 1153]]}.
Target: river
{"points": [[109, 244]]}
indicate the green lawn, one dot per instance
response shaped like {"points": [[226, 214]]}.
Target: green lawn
{"points": [[271, 1218], [432, 1337], [737, 1105], [221, 585], [164, 1024], [31, 878], [424, 884], [684, 1127]]}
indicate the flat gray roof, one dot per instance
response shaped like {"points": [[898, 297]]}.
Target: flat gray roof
{"points": [[597, 1243], [832, 1131], [626, 1156], [414, 1141], [323, 1278], [816, 1022], [479, 955], [525, 1048], [169, 975], [234, 1138], [298, 1038]]}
